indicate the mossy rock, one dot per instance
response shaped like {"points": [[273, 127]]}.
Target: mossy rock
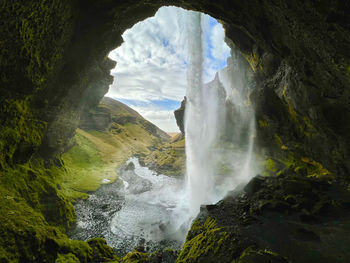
{"points": [[67, 258], [136, 257], [20, 133], [34, 216], [168, 158], [260, 256], [207, 242], [101, 251]]}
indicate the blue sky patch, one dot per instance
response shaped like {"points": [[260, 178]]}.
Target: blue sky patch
{"points": [[218, 64], [165, 104], [152, 63]]}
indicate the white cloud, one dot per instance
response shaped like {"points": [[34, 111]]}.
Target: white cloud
{"points": [[215, 49], [164, 119], [152, 61], [220, 51]]}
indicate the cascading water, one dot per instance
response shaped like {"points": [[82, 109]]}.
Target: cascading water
{"points": [[219, 127], [200, 123]]}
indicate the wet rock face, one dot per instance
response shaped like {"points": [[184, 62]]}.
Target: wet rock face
{"points": [[289, 217], [180, 116]]}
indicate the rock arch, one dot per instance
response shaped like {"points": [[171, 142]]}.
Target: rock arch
{"points": [[55, 54], [53, 66]]}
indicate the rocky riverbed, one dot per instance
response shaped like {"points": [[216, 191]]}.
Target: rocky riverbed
{"points": [[139, 210]]}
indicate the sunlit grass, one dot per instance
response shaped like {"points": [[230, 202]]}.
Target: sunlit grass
{"points": [[97, 155]]}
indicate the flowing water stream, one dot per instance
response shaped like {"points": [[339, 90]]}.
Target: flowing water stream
{"points": [[136, 210]]}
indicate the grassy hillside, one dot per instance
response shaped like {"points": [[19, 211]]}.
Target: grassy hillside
{"points": [[168, 158], [122, 114], [94, 158]]}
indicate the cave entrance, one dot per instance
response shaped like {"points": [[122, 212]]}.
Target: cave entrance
{"points": [[152, 63], [160, 189]]}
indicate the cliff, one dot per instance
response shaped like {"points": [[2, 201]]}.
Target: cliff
{"points": [[180, 116]]}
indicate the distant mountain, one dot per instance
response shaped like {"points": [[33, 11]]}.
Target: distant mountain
{"points": [[111, 114]]}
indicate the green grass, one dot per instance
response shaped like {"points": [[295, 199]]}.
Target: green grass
{"points": [[84, 168], [97, 155], [169, 158]]}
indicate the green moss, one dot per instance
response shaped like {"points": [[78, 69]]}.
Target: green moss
{"points": [[308, 123], [207, 243], [101, 251], [291, 110], [67, 258], [280, 143], [23, 230], [263, 123], [33, 183], [306, 165], [20, 133], [37, 34], [136, 257], [254, 62], [251, 255], [316, 169], [303, 124], [303, 166], [343, 67], [270, 166], [34, 214], [169, 158], [80, 249]]}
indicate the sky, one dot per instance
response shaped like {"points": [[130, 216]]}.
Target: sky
{"points": [[150, 75]]}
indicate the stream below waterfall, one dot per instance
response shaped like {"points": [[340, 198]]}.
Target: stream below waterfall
{"points": [[140, 208]]}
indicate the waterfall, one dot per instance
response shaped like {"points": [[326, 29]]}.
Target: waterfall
{"points": [[198, 127], [219, 126]]}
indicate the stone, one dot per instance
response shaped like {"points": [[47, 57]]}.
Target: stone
{"points": [[130, 166], [254, 185], [180, 115]]}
